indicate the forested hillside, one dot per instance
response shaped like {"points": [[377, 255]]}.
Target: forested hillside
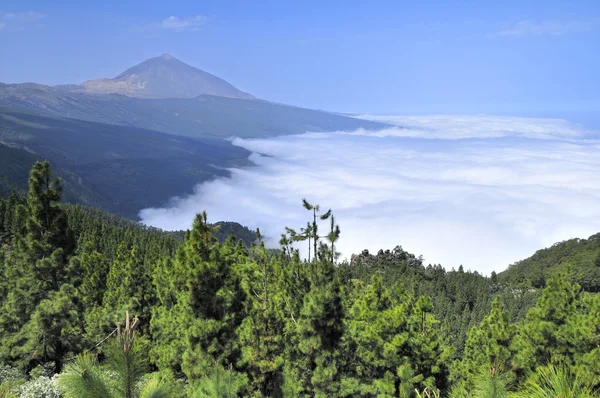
{"points": [[580, 257], [120, 169], [92, 305], [14, 168]]}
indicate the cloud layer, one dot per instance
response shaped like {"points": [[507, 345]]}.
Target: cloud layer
{"points": [[177, 24], [17, 19], [478, 191], [530, 27]]}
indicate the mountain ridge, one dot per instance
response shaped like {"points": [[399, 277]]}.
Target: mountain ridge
{"points": [[202, 116], [164, 77], [165, 94]]}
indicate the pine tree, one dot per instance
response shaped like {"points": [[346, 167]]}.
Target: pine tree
{"points": [[487, 351], [173, 280], [391, 344], [314, 229], [38, 268], [55, 330], [3, 231], [13, 219], [128, 284], [260, 334], [90, 270], [544, 337], [556, 380], [311, 232], [125, 359], [332, 237], [200, 316], [304, 235], [313, 337], [584, 334]]}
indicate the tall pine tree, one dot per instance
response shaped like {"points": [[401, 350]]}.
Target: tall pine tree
{"points": [[38, 269]]}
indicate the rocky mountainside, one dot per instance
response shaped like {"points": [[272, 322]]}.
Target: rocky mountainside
{"points": [[164, 77], [167, 95]]}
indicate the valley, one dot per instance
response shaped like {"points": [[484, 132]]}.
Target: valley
{"points": [[118, 168], [299, 199]]}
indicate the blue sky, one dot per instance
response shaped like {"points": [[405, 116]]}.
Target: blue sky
{"points": [[507, 57]]}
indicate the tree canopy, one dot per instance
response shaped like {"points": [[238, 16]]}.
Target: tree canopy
{"points": [[216, 316]]}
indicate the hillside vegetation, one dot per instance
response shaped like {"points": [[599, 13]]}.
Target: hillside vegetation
{"points": [[95, 306], [14, 168], [120, 169], [579, 258]]}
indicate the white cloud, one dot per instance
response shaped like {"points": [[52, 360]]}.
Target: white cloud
{"points": [[460, 127], [530, 27], [17, 19], [182, 24], [21, 16], [478, 191]]}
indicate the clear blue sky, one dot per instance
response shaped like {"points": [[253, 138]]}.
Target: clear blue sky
{"points": [[355, 56]]}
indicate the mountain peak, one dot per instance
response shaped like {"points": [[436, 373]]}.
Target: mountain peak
{"points": [[155, 79]]}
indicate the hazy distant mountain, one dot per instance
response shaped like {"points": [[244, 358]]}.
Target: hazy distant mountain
{"points": [[167, 95], [202, 116], [106, 137], [164, 77]]}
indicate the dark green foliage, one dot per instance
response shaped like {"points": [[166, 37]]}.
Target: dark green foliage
{"points": [[199, 302], [220, 383], [214, 300], [314, 334], [38, 270], [392, 343], [579, 256], [122, 375], [83, 378], [227, 228], [546, 335], [460, 300], [556, 381], [14, 169], [261, 332], [487, 362], [561, 329], [226, 318]]}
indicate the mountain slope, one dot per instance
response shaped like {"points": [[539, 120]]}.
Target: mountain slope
{"points": [[167, 95], [121, 169], [204, 116], [164, 77], [14, 168], [15, 164]]}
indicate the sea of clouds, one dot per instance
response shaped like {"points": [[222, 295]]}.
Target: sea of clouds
{"points": [[481, 191]]}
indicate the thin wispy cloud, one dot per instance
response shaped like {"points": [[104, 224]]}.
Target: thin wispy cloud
{"points": [[22, 16], [19, 19], [460, 127], [530, 27], [478, 191], [177, 24]]}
